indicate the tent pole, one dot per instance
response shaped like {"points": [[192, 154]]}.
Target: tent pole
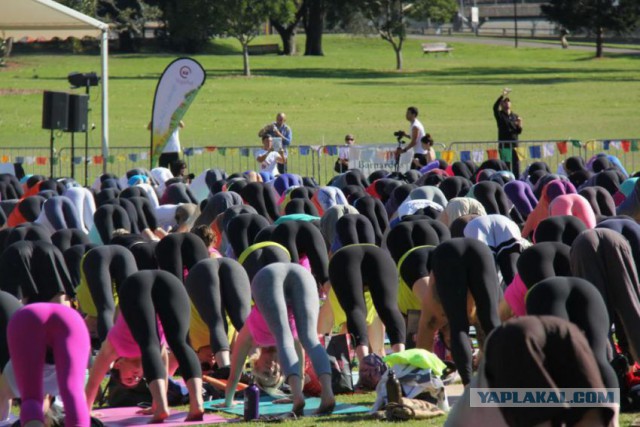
{"points": [[105, 99]]}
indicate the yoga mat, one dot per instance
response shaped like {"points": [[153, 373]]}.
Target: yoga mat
{"points": [[267, 407], [120, 417], [12, 419]]}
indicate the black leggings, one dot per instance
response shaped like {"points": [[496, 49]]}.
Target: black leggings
{"points": [[373, 209], [36, 271], [409, 234], [145, 295], [217, 286], [178, 251], [416, 265], [301, 206], [109, 218], [562, 229], [629, 229], [243, 229], [579, 302], [73, 259], [303, 238], [542, 261], [600, 200], [217, 204], [263, 198], [455, 186], [9, 304], [146, 214], [30, 207], [61, 213], [491, 195], [178, 193], [64, 239], [28, 231], [352, 270], [462, 266], [105, 268], [352, 229], [262, 256], [396, 198]]}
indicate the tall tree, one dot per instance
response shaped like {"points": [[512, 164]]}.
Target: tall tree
{"points": [[595, 16], [241, 19], [188, 23], [285, 22], [314, 12], [128, 18], [436, 11]]}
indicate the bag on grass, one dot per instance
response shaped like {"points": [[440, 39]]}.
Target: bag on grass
{"points": [[339, 350]]}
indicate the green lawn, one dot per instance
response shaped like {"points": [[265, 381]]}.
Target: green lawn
{"points": [[560, 94]]}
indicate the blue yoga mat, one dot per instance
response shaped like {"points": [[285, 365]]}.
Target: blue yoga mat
{"points": [[267, 407]]}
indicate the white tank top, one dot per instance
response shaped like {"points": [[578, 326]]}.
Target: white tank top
{"points": [[417, 149]]}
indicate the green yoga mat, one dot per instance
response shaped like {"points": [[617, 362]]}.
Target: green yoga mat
{"points": [[267, 407]]}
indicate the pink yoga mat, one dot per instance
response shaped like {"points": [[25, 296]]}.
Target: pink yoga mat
{"points": [[120, 417]]}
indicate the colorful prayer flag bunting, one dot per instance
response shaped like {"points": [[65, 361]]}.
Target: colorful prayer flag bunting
{"points": [[5, 159], [41, 161], [303, 150], [492, 153], [77, 160], [626, 146], [188, 152], [465, 156], [548, 150], [448, 156], [635, 145], [222, 151], [521, 152], [19, 159], [535, 151], [606, 144], [97, 160], [562, 147], [478, 156], [506, 154], [244, 152], [576, 143]]}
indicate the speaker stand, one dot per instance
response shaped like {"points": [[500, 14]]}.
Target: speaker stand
{"points": [[73, 155], [51, 154]]}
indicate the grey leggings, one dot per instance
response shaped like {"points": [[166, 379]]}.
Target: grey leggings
{"points": [[278, 287]]}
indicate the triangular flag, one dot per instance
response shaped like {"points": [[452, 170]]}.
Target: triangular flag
{"points": [[448, 156], [506, 154], [97, 160], [210, 149], [303, 150], [198, 151], [222, 151], [465, 156], [535, 152], [332, 150], [111, 159], [562, 147], [616, 145], [492, 153], [590, 145], [576, 143], [635, 145], [133, 157], [121, 157], [40, 160]]}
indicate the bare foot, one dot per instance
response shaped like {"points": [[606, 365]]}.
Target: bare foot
{"points": [[195, 416], [159, 416], [298, 407], [327, 405]]}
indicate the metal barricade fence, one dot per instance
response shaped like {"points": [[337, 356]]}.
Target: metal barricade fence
{"points": [[553, 153], [627, 150], [315, 161]]}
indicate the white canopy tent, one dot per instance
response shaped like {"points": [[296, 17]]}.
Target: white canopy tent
{"points": [[48, 19]]}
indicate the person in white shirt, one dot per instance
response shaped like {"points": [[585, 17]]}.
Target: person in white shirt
{"points": [[171, 151], [416, 133], [269, 158], [342, 164]]}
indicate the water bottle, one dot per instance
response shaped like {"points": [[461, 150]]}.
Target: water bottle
{"points": [[394, 389], [251, 401]]}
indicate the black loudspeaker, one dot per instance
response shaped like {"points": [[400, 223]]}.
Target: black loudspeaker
{"points": [[55, 108], [78, 113]]}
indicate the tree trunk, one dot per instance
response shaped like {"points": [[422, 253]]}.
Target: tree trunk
{"points": [[313, 27], [599, 42], [398, 51], [245, 59], [288, 37]]}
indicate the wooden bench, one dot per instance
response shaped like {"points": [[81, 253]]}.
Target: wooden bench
{"points": [[263, 49], [436, 48]]}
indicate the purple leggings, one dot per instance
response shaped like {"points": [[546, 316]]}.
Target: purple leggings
{"points": [[31, 331]]}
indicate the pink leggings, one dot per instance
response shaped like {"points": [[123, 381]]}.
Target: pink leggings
{"points": [[31, 331]]}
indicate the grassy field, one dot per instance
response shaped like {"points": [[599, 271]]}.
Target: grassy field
{"points": [[560, 94]]}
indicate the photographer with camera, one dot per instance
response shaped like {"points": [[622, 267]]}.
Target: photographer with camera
{"points": [[509, 127], [416, 132], [270, 157]]}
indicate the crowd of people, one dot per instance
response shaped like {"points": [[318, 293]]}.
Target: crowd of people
{"points": [[156, 273]]}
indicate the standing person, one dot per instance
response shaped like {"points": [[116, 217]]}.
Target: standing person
{"points": [[342, 164], [282, 130], [509, 127], [416, 132], [268, 158], [563, 38], [172, 149]]}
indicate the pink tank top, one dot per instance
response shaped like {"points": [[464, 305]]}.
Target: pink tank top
{"points": [[515, 296], [259, 329], [123, 342]]}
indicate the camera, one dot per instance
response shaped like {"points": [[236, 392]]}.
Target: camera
{"points": [[399, 134]]}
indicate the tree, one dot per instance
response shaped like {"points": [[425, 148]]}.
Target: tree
{"points": [[314, 12], [128, 18], [436, 11], [241, 19], [388, 19], [285, 21], [188, 23], [596, 16]]}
